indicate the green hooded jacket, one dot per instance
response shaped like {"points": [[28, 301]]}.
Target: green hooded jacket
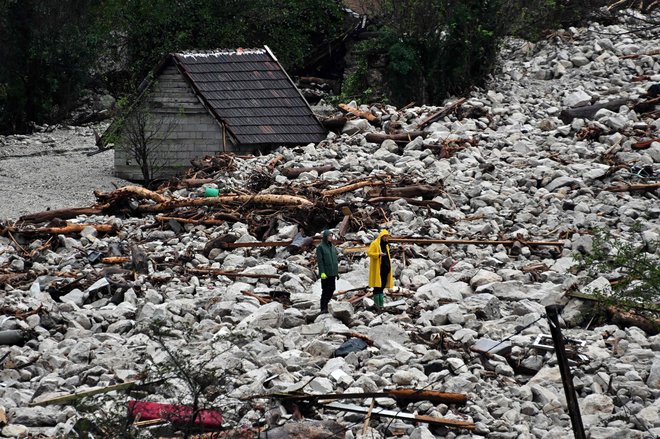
{"points": [[326, 256]]}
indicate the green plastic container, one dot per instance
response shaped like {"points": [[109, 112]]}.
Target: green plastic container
{"points": [[210, 192]]}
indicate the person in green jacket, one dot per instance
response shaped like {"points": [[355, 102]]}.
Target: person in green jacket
{"points": [[326, 256]]}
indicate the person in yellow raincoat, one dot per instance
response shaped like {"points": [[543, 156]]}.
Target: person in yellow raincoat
{"points": [[380, 266]]}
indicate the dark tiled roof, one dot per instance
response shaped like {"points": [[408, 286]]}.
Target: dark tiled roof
{"points": [[249, 91]]}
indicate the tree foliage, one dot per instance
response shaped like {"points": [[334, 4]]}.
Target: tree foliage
{"points": [[52, 49], [47, 49]]}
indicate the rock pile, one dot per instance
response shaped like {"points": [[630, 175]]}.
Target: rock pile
{"points": [[80, 325]]}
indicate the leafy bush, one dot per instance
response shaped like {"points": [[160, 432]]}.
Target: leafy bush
{"points": [[634, 272]]}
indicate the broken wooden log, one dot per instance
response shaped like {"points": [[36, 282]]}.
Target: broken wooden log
{"points": [[423, 203], [647, 105], [405, 137], [63, 214], [65, 399], [67, 229], [351, 187], [397, 414], [403, 394], [196, 182], [220, 272], [295, 172], [115, 260], [130, 191], [639, 55], [358, 113], [644, 143], [269, 199], [425, 191], [440, 114], [627, 187], [588, 112], [335, 123]]}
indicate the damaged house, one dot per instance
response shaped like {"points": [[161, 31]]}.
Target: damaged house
{"points": [[201, 103]]}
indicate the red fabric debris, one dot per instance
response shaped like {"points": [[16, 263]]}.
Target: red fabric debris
{"points": [[174, 413]]}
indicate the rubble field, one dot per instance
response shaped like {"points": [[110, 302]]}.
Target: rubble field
{"points": [[160, 303]]}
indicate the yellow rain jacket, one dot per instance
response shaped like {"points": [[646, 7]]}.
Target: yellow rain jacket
{"points": [[374, 262]]}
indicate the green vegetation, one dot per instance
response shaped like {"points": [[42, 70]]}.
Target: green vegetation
{"points": [[177, 376], [424, 50], [58, 47], [634, 271]]}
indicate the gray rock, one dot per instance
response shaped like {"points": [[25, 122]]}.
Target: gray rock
{"points": [[577, 99], [653, 380], [483, 305], [342, 310], [267, 316]]}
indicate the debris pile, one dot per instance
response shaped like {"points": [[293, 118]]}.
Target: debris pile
{"points": [[173, 302]]}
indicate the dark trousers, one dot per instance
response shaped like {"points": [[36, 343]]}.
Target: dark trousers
{"points": [[327, 290]]}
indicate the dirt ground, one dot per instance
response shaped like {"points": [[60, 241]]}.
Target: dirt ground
{"points": [[51, 170]]}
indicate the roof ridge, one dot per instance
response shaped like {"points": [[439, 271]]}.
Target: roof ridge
{"points": [[216, 52]]}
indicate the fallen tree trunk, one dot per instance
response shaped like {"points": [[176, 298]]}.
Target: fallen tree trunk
{"points": [[406, 137], [295, 172], [278, 200], [351, 187], [64, 214], [633, 187], [588, 112], [440, 114]]}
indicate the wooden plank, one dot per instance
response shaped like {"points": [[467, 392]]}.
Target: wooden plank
{"points": [[65, 399], [402, 415]]}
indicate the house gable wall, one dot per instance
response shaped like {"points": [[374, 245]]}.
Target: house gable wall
{"points": [[181, 126]]}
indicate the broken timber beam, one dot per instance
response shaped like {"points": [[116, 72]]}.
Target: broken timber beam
{"points": [[473, 241], [68, 229], [351, 187], [115, 259], [401, 415], [398, 393], [440, 114], [355, 112], [219, 272], [633, 187], [48, 215], [644, 143], [65, 399]]}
